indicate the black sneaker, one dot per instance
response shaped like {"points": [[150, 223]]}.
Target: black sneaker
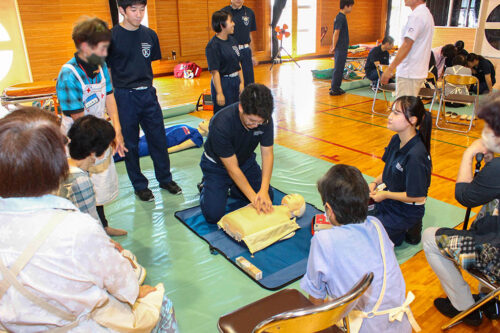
{"points": [[444, 306], [490, 309], [145, 195], [172, 187], [336, 92]]}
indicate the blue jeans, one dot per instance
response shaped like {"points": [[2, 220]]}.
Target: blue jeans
{"points": [[216, 183], [372, 76], [247, 65], [141, 107], [338, 70], [231, 90]]}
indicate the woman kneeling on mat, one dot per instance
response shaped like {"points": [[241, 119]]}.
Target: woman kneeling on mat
{"points": [[59, 268], [407, 172], [447, 249]]}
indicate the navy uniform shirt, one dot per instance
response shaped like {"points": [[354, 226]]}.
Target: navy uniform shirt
{"points": [[376, 54], [223, 55], [483, 68], [244, 23], [407, 169], [340, 23], [130, 55], [227, 136]]}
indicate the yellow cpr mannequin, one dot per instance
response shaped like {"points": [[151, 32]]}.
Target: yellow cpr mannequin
{"points": [[258, 231]]}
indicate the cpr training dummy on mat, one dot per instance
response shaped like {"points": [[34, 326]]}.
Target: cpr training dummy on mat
{"points": [[179, 137], [258, 231]]}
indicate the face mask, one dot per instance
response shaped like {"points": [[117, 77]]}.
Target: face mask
{"points": [[490, 141], [95, 60]]}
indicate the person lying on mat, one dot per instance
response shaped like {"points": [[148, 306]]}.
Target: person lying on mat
{"points": [[447, 249], [338, 256], [58, 267], [228, 162], [407, 172]]}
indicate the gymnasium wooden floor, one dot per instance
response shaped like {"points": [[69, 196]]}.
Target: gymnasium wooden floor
{"points": [[344, 130]]}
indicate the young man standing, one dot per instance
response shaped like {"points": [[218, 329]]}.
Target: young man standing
{"points": [[244, 26], [379, 55], [340, 45], [412, 60], [228, 162], [133, 48], [84, 88]]}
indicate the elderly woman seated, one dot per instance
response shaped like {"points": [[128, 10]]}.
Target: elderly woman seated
{"points": [[58, 268], [478, 247]]}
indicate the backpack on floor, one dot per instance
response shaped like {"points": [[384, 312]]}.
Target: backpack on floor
{"points": [[187, 70]]}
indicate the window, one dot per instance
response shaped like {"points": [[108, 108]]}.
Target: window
{"points": [[464, 13]]}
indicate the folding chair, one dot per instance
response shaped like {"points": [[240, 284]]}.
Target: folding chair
{"points": [[455, 80], [290, 311], [390, 87], [495, 292], [429, 92]]}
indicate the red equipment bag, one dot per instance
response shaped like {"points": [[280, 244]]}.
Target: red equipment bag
{"points": [[183, 70]]}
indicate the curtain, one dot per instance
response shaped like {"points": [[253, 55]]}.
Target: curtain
{"points": [[439, 10], [278, 7], [113, 8]]}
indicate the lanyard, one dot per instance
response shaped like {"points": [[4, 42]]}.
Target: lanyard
{"points": [[91, 81]]}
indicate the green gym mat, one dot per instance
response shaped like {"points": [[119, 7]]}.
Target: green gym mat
{"points": [[203, 286], [177, 110]]}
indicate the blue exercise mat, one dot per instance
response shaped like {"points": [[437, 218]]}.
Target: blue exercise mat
{"points": [[281, 263]]}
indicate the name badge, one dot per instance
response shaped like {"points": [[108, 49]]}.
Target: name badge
{"points": [[399, 167], [91, 101], [258, 133]]}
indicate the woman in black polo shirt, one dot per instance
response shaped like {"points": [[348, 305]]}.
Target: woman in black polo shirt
{"points": [[407, 172], [223, 57]]}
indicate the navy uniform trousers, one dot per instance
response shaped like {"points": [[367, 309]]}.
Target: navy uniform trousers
{"points": [[230, 89], [338, 71], [247, 65], [141, 107], [216, 183]]}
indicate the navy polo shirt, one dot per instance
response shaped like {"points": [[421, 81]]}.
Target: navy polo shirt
{"points": [[485, 67], [407, 169], [130, 55], [227, 136], [376, 54], [340, 23], [223, 55], [244, 23]]}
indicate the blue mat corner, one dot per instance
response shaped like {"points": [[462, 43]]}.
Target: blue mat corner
{"points": [[282, 263]]}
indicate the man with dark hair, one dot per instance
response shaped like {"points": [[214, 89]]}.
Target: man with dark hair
{"points": [[484, 70], [412, 61], [244, 26], [444, 57], [133, 48], [338, 256], [229, 159], [84, 88], [379, 55], [340, 44], [223, 58]]}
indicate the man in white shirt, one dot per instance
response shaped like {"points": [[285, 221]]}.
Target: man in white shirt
{"points": [[412, 61]]}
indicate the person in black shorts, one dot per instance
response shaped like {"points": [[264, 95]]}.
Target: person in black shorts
{"points": [[340, 45], [379, 55], [223, 57], [133, 48], [228, 162], [244, 26], [484, 70]]}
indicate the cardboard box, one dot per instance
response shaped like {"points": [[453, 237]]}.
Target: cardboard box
{"points": [[250, 268]]}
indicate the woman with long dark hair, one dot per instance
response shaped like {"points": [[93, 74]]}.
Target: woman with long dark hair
{"points": [[407, 172]]}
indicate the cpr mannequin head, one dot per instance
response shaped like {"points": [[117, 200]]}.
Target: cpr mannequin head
{"points": [[490, 112], [296, 203], [203, 127], [92, 37], [345, 195]]}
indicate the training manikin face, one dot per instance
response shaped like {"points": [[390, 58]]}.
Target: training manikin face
{"points": [[203, 127], [296, 204]]}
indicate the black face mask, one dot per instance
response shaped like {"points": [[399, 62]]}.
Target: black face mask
{"points": [[95, 60]]}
